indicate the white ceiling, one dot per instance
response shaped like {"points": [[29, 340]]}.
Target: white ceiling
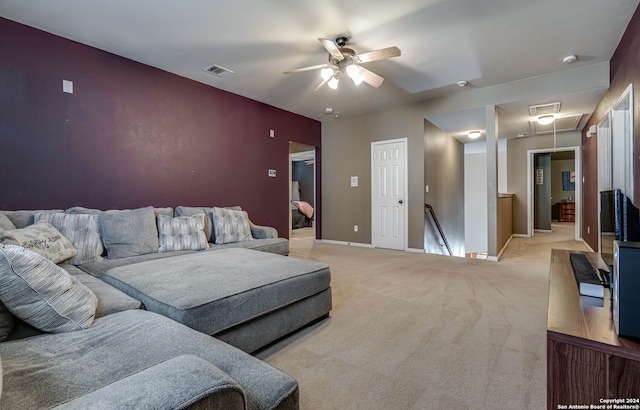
{"points": [[485, 42]]}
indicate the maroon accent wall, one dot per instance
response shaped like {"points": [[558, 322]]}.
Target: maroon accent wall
{"points": [[625, 69], [131, 135]]}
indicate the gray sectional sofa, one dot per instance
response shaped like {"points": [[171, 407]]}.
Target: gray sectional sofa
{"points": [[150, 344]]}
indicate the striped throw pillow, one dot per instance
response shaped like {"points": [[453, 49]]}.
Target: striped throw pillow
{"points": [[182, 233], [43, 294]]}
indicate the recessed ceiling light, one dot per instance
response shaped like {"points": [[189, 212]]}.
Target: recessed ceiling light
{"points": [[570, 59], [462, 83], [474, 134], [328, 110]]}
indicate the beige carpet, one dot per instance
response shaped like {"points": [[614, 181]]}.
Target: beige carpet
{"points": [[416, 331]]}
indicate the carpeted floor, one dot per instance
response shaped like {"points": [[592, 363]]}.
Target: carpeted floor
{"points": [[416, 331]]}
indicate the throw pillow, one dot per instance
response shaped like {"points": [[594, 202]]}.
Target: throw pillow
{"points": [[208, 222], [5, 223], [82, 231], [24, 218], [231, 226], [129, 232], [82, 210], [182, 233], [42, 238], [43, 294]]}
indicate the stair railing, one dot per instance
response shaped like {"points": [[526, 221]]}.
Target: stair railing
{"points": [[434, 221]]}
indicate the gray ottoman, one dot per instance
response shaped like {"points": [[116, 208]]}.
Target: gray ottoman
{"points": [[259, 295]]}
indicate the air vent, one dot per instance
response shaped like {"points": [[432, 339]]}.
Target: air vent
{"points": [[542, 109], [218, 71], [566, 123]]}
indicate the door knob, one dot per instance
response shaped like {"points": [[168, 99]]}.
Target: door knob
{"points": [[400, 201]]}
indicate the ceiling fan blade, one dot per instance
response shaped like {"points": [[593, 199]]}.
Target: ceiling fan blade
{"points": [[300, 70], [381, 54], [322, 84], [371, 78], [332, 48]]}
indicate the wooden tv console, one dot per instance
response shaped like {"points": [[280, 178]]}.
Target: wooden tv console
{"points": [[587, 362]]}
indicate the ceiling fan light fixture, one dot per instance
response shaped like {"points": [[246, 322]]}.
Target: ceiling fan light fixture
{"points": [[474, 134], [546, 119], [333, 83], [326, 73]]}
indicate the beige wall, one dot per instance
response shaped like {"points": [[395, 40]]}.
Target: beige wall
{"points": [[346, 152], [517, 168], [444, 173]]}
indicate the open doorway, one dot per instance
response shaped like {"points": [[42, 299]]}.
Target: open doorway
{"points": [[302, 198], [554, 192]]}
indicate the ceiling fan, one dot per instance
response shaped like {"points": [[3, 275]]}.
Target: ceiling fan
{"points": [[344, 60]]}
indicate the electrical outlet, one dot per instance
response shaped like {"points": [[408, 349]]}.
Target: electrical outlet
{"points": [[426, 188], [355, 228], [272, 172]]}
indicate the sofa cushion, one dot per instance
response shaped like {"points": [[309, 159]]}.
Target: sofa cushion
{"points": [[43, 294], [203, 290], [42, 238], [92, 211], [181, 382], [181, 233], [82, 231], [110, 299], [5, 223], [70, 365], [231, 226], [129, 232], [23, 218]]}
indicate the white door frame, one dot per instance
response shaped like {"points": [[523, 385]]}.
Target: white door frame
{"points": [[315, 205], [603, 135], [578, 196], [405, 142]]}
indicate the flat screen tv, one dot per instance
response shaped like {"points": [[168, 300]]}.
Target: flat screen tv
{"points": [[619, 219]]}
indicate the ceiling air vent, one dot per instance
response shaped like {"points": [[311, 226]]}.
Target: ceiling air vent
{"points": [[542, 109], [218, 71], [565, 123]]}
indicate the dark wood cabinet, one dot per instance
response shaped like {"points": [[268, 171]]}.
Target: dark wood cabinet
{"points": [[567, 212], [586, 360]]}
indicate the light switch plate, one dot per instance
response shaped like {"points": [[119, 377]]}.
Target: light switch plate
{"points": [[272, 172], [354, 181], [272, 133], [67, 86]]}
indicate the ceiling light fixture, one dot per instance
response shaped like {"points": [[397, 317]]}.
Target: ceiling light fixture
{"points": [[570, 59], [326, 73], [333, 83], [546, 119], [354, 73], [462, 83], [474, 134]]}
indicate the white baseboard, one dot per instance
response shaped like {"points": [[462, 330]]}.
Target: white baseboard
{"points": [[360, 245], [543, 230], [492, 258], [503, 248], [520, 235], [415, 250]]}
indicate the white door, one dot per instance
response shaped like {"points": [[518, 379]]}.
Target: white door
{"points": [[388, 190]]}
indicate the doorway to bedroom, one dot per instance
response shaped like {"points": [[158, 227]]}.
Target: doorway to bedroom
{"points": [[302, 198]]}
